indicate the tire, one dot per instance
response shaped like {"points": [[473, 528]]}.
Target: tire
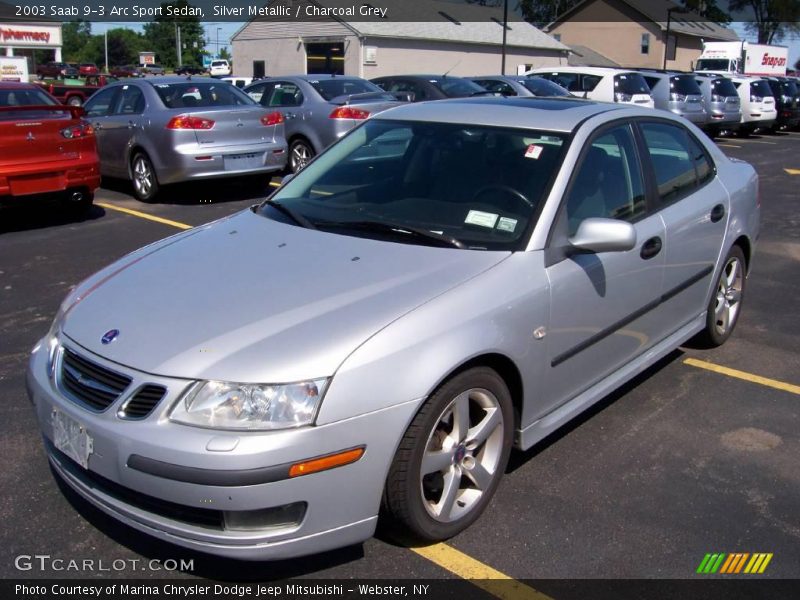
{"points": [[725, 305], [143, 177], [416, 506], [74, 101], [300, 153]]}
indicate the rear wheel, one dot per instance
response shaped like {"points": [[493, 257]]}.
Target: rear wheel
{"points": [[300, 153], [726, 301], [145, 182], [451, 458]]}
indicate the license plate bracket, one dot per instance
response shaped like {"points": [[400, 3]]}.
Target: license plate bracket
{"points": [[72, 438]]}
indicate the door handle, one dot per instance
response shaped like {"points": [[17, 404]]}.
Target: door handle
{"points": [[650, 248], [717, 213]]}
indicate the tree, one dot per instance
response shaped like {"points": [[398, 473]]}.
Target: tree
{"points": [[224, 54], [75, 36], [124, 46], [543, 12], [773, 18], [709, 10], [161, 36]]}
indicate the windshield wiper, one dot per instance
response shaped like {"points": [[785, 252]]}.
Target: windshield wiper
{"points": [[438, 239], [296, 217]]}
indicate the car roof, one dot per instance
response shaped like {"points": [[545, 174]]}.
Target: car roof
{"points": [[550, 114], [589, 70], [169, 79]]}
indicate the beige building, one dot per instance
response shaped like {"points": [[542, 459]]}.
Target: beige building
{"points": [[633, 33], [461, 40]]}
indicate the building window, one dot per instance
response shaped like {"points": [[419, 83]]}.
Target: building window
{"points": [[645, 43], [557, 37]]}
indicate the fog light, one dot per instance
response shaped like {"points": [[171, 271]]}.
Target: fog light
{"points": [[288, 515]]}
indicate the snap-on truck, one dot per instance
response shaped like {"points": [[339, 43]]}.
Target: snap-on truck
{"points": [[743, 58]]}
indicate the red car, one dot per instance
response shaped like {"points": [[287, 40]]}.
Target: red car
{"points": [[47, 150], [88, 69]]}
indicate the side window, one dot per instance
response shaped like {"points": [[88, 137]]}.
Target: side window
{"points": [[673, 161], [589, 82], [702, 162], [285, 94], [99, 105], [131, 101], [256, 92], [608, 181]]}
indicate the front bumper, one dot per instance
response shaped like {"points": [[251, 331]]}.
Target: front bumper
{"points": [[341, 504]]}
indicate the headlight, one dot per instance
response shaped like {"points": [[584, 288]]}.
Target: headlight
{"points": [[226, 405]]}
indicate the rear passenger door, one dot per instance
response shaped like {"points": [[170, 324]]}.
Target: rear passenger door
{"points": [[695, 208], [122, 126], [602, 303]]}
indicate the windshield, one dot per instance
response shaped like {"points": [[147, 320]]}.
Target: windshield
{"points": [[205, 94], [713, 64], [453, 87], [724, 87], [760, 88], [539, 86], [631, 83], [334, 88], [479, 187], [684, 84]]}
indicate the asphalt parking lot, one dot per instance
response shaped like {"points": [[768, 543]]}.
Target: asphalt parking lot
{"points": [[698, 455]]}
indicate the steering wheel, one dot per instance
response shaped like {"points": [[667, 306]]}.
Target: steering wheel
{"points": [[503, 188]]}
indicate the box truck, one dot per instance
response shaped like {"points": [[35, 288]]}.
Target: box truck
{"points": [[743, 58]]}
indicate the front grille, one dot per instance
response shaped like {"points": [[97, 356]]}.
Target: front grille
{"points": [[201, 517], [88, 383], [143, 402]]}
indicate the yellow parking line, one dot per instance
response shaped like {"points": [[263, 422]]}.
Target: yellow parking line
{"points": [[275, 183], [142, 215], [773, 383], [483, 576]]}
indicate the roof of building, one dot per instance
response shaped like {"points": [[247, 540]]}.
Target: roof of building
{"points": [[445, 21], [581, 56], [686, 22]]}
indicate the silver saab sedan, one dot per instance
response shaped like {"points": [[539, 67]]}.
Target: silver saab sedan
{"points": [[449, 280], [157, 131]]}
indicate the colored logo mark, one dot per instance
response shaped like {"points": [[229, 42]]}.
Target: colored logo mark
{"points": [[735, 563]]}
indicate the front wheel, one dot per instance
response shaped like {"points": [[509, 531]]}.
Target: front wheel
{"points": [[726, 301], [451, 458], [145, 182]]}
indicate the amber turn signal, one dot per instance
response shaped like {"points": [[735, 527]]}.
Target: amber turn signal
{"points": [[323, 463]]}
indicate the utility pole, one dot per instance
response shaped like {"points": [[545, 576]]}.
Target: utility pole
{"points": [[178, 44], [505, 31], [105, 43]]}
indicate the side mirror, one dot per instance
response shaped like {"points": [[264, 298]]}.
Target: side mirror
{"points": [[604, 235]]}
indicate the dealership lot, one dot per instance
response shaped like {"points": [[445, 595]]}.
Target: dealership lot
{"points": [[683, 461]]}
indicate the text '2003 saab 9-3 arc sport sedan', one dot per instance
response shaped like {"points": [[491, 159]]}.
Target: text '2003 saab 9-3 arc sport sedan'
{"points": [[447, 281]]}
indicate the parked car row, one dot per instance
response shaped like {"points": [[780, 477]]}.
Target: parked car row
{"points": [[712, 101]]}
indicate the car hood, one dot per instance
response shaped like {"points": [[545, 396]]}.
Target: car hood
{"points": [[253, 300]]}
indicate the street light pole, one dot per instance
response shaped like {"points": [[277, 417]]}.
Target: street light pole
{"points": [[674, 9], [218, 28], [505, 31]]}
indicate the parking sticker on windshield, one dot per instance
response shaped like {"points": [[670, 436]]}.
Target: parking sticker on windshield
{"points": [[483, 219], [533, 151], [506, 224]]}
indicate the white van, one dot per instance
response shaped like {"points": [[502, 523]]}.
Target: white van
{"points": [[600, 83], [758, 104]]}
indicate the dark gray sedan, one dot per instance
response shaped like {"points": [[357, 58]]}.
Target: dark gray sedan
{"points": [[520, 85], [318, 109], [171, 129]]}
